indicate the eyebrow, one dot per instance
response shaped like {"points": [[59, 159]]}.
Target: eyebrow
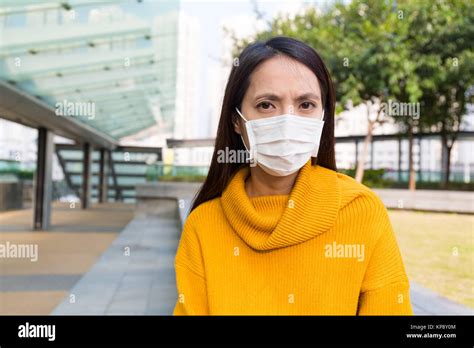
{"points": [[272, 96]]}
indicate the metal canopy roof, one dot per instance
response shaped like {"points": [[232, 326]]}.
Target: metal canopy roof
{"points": [[19, 107], [121, 64]]}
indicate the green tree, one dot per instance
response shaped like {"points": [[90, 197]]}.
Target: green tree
{"points": [[442, 41]]}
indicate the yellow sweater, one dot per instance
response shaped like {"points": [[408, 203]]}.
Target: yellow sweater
{"points": [[328, 248]]}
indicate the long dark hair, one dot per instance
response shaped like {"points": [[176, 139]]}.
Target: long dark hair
{"points": [[220, 173]]}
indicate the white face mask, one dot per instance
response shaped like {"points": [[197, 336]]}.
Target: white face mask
{"points": [[281, 145]]}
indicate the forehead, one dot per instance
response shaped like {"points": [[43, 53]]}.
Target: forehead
{"points": [[282, 75]]}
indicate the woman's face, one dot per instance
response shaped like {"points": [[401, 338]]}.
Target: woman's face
{"points": [[280, 85]]}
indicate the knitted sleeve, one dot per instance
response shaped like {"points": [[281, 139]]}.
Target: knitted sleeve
{"points": [[190, 276], [385, 288]]}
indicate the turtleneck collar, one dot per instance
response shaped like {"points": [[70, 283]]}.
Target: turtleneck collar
{"points": [[309, 210]]}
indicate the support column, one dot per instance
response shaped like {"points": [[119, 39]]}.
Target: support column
{"points": [[399, 159], [356, 154], [86, 175], [420, 173], [372, 154], [118, 195], [103, 175], [43, 180]]}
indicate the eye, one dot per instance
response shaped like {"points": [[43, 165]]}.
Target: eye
{"points": [[264, 105], [307, 105]]}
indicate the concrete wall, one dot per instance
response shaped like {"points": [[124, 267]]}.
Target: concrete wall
{"points": [[165, 199], [27, 192], [428, 200], [11, 195]]}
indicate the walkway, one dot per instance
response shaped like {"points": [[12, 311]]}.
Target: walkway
{"points": [[427, 302], [134, 276], [65, 253]]}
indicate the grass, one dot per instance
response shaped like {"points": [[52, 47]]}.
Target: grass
{"points": [[438, 251]]}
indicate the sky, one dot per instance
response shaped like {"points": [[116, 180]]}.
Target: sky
{"points": [[212, 14]]}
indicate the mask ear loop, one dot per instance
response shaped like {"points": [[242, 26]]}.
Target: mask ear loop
{"points": [[240, 114], [241, 137], [317, 150]]}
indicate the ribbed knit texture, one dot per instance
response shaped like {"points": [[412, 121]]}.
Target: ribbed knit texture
{"points": [[328, 248]]}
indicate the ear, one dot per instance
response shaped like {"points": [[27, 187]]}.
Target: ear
{"points": [[236, 124]]}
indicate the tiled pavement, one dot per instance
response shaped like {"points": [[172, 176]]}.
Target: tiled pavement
{"points": [[65, 253], [134, 276], [427, 302]]}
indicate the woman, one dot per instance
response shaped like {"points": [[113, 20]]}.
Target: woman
{"points": [[284, 233]]}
